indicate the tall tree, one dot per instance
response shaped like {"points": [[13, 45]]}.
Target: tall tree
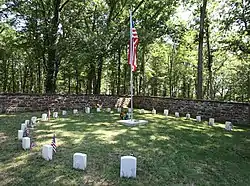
{"points": [[200, 50]]}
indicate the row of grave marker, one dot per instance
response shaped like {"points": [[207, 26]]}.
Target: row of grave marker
{"points": [[228, 124], [128, 164]]}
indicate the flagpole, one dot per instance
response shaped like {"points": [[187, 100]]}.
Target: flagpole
{"points": [[131, 65]]}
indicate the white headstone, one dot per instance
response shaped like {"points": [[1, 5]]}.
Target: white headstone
{"points": [[23, 126], [80, 161], [153, 111], [129, 110], [108, 109], [87, 110], [75, 111], [198, 118], [166, 112], [211, 121], [27, 122], [128, 167], [141, 111], [119, 109], [33, 120], [177, 114], [20, 134], [55, 114], [228, 125], [44, 117], [187, 116], [98, 109], [26, 143], [47, 152], [64, 112]]}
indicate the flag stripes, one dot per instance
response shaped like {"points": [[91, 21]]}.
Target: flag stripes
{"points": [[135, 42], [53, 144]]}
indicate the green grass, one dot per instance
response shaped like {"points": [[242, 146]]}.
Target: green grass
{"points": [[169, 152]]}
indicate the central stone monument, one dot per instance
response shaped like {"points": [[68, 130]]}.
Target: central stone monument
{"points": [[132, 122]]}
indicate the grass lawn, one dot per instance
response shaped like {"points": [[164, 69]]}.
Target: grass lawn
{"points": [[169, 152]]}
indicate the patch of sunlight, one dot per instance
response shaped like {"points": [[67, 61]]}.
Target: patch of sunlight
{"points": [[180, 127], [163, 138], [78, 140], [20, 160], [220, 125], [101, 123], [108, 135], [152, 137], [131, 143], [239, 130], [4, 115], [58, 178], [196, 129], [134, 128], [228, 135], [58, 126]]}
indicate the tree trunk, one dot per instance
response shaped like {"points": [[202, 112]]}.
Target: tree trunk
{"points": [[170, 72], [119, 71], [69, 84], [209, 65], [97, 89], [142, 77], [53, 63], [77, 78], [200, 50]]}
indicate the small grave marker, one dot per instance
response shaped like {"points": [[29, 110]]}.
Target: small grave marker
{"points": [[228, 125], [20, 134], [80, 161], [26, 143], [211, 121], [128, 167], [44, 117], [47, 152], [166, 112], [198, 118]]}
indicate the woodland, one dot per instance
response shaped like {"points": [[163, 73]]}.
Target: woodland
{"points": [[187, 49]]}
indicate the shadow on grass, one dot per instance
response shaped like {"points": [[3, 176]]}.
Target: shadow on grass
{"points": [[169, 152]]}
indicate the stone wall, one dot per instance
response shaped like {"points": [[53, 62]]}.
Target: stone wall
{"points": [[238, 113], [31, 102]]}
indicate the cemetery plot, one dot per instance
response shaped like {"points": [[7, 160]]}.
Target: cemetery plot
{"points": [[93, 149]]}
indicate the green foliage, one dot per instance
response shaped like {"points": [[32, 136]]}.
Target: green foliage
{"points": [[85, 50]]}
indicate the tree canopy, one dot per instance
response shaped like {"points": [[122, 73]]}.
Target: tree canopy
{"points": [[187, 49]]}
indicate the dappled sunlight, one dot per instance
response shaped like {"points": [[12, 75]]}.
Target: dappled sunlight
{"points": [[108, 136], [228, 135], [166, 149], [163, 138], [58, 126], [16, 161]]}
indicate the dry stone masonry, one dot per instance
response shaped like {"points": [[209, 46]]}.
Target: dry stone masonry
{"points": [[237, 113]]}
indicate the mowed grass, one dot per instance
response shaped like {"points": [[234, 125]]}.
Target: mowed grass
{"points": [[169, 152]]}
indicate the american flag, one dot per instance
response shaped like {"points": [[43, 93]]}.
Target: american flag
{"points": [[26, 132], [53, 144], [135, 42], [32, 145]]}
